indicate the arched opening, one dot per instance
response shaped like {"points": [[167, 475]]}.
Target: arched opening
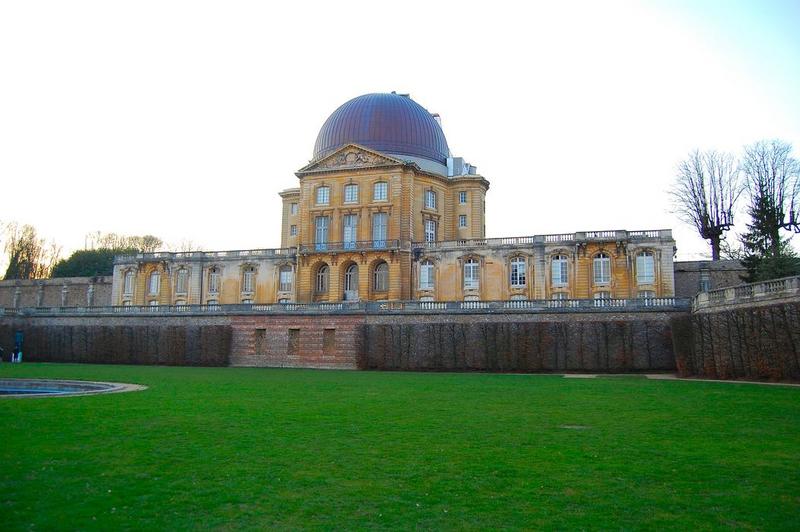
{"points": [[380, 277], [321, 279], [351, 283]]}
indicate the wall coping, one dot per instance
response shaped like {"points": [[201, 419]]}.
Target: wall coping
{"points": [[748, 294], [662, 304]]}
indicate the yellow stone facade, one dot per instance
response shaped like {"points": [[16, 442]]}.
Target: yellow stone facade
{"points": [[363, 225]]}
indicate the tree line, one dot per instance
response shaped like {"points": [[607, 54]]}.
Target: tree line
{"points": [[31, 256], [709, 185]]}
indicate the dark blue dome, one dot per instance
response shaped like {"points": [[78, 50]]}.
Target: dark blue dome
{"points": [[388, 123]]}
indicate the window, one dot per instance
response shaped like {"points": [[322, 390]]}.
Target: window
{"points": [[212, 303], [349, 230], [293, 209], [128, 289], [285, 274], [154, 303], [248, 276], [247, 301], [126, 303], [323, 195], [181, 281], [426, 272], [380, 192], [559, 270], [602, 269], [351, 193], [645, 269], [292, 230], [321, 233], [180, 303], [155, 283], [213, 281], [647, 294], [518, 272], [351, 283], [471, 274], [381, 277], [430, 231], [462, 220], [430, 199], [462, 197], [379, 222], [559, 296], [321, 285]]}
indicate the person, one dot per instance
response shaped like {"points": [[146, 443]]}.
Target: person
{"points": [[16, 355], [1, 354]]}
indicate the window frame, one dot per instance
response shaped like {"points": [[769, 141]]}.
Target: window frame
{"points": [[601, 269], [462, 197], [641, 270], [431, 227], [472, 274], [427, 273], [430, 200], [322, 279], [248, 280], [462, 220], [285, 286], [380, 277], [322, 195], [350, 193], [154, 283], [518, 268], [563, 273], [384, 187]]}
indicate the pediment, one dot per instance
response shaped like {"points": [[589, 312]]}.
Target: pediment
{"points": [[349, 157]]}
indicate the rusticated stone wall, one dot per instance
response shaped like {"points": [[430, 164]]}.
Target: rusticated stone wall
{"points": [[625, 342], [759, 342]]}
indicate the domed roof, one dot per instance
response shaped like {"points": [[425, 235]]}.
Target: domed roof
{"points": [[388, 123]]}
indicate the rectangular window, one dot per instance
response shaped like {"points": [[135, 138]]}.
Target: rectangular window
{"points": [[351, 193], [293, 209], [462, 197], [462, 220], [293, 342], [247, 280], [182, 281], [213, 281], [321, 233], [559, 271], [293, 230], [471, 275], [518, 272], [430, 199], [645, 268], [380, 192], [602, 269], [323, 195], [426, 276], [328, 342], [286, 279], [155, 283], [349, 230], [379, 227], [430, 231], [128, 283]]}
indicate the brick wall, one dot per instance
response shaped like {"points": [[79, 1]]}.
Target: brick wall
{"points": [[322, 341]]}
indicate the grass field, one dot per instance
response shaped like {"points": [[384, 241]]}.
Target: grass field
{"points": [[229, 448]]}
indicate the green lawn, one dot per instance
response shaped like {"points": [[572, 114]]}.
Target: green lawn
{"points": [[236, 448]]}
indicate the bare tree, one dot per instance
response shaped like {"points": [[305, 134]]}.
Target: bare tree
{"points": [[29, 256], [705, 192], [100, 240]]}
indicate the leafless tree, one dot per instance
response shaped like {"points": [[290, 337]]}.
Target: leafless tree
{"points": [[707, 186], [29, 256], [146, 243]]}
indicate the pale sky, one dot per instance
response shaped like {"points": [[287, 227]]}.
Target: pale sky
{"points": [[185, 119]]}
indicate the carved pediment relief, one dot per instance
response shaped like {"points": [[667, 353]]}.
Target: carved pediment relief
{"points": [[350, 156]]}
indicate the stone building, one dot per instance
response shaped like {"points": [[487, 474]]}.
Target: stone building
{"points": [[385, 212]]}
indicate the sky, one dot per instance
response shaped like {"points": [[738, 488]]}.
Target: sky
{"points": [[185, 119]]}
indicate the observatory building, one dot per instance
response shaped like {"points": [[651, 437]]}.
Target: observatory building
{"points": [[385, 212]]}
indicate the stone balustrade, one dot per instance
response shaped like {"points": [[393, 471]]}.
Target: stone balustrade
{"points": [[788, 287]]}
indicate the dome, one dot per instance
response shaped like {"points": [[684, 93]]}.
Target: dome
{"points": [[388, 123]]}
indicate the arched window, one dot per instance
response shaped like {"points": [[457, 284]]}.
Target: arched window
{"points": [[472, 270], [380, 282], [426, 275], [321, 284], [213, 280], [248, 279], [559, 270], [351, 283], [601, 267], [182, 281], [645, 268], [518, 277], [155, 283], [286, 278], [128, 287]]}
